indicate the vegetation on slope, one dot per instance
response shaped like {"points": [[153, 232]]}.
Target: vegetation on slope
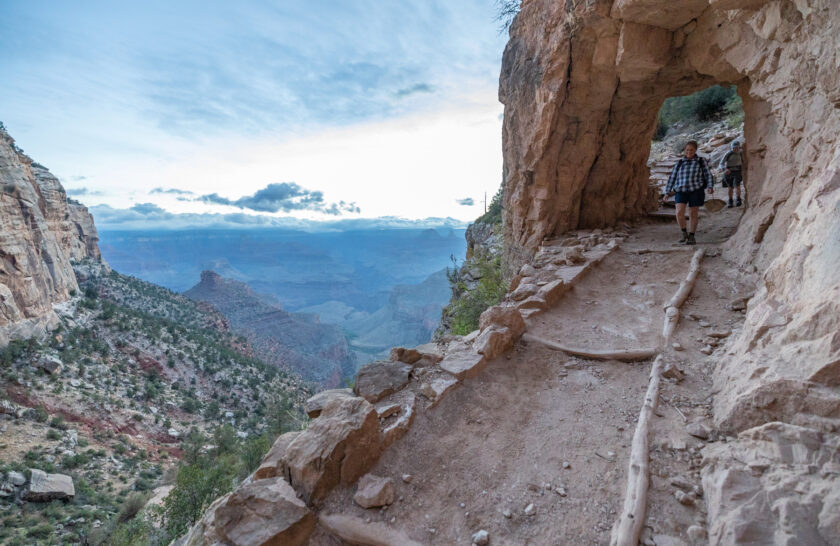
{"points": [[478, 283], [139, 364], [710, 104]]}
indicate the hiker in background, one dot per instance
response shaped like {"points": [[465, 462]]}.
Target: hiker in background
{"points": [[732, 164], [690, 177]]}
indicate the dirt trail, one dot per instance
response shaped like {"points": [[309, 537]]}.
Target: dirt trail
{"points": [[541, 428]]}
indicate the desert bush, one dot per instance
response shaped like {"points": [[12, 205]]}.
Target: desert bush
{"points": [[735, 109], [132, 506], [467, 302]]}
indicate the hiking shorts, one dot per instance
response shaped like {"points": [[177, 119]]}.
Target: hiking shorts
{"points": [[694, 198], [733, 179]]}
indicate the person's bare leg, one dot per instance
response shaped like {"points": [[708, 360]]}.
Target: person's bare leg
{"points": [[681, 215], [730, 192], [693, 217]]}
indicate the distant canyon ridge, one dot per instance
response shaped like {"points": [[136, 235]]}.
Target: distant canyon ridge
{"points": [[319, 304]]}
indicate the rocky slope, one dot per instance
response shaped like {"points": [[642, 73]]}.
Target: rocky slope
{"points": [[107, 398], [292, 341], [106, 381], [42, 232]]}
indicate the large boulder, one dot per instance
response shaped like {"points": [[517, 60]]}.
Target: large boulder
{"points": [[316, 403], [264, 512], [50, 364], [494, 342], [377, 380], [338, 447], [274, 462], [463, 363], [502, 316], [260, 512], [409, 356], [45, 487]]}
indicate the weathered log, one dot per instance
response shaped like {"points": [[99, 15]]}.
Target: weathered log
{"points": [[356, 531], [625, 355], [629, 526], [685, 287]]}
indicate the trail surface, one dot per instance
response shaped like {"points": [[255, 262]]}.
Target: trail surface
{"points": [[535, 449]]}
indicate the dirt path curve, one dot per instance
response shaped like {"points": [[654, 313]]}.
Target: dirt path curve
{"points": [[535, 449]]}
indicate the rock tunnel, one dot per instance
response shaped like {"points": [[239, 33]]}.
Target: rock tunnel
{"points": [[582, 82]]}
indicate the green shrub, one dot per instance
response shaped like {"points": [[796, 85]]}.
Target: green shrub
{"points": [[40, 531], [40, 414], [467, 304], [135, 532], [58, 422], [735, 109], [53, 434], [196, 486], [710, 103]]}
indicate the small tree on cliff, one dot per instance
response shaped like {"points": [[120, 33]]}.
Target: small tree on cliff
{"points": [[506, 10]]}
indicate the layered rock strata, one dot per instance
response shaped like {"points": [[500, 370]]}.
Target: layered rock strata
{"points": [[42, 231]]}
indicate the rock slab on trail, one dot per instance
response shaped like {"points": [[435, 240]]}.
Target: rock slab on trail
{"points": [[338, 447], [377, 380]]}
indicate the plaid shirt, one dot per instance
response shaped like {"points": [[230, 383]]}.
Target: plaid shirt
{"points": [[690, 175]]}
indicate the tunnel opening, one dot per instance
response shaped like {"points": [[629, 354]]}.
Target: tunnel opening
{"points": [[713, 118]]}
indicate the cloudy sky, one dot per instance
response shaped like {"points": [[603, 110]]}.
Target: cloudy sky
{"points": [[315, 109]]}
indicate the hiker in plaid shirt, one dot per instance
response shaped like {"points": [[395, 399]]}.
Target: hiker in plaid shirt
{"points": [[691, 175]]}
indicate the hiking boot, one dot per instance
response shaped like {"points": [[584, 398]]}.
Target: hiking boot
{"points": [[690, 239], [738, 203], [683, 237], [730, 205]]}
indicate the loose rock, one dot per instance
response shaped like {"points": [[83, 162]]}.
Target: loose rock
{"points": [[481, 538], [374, 491]]}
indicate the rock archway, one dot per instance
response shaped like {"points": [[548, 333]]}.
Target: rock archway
{"points": [[582, 83]]}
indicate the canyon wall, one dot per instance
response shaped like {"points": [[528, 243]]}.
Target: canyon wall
{"points": [[41, 233], [582, 82]]}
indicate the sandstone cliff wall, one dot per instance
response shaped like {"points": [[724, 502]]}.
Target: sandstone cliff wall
{"points": [[582, 83], [41, 232]]}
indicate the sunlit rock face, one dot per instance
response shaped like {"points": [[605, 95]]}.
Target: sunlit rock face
{"points": [[582, 83], [41, 233]]}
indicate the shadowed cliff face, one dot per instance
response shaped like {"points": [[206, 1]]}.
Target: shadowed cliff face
{"points": [[41, 233]]}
